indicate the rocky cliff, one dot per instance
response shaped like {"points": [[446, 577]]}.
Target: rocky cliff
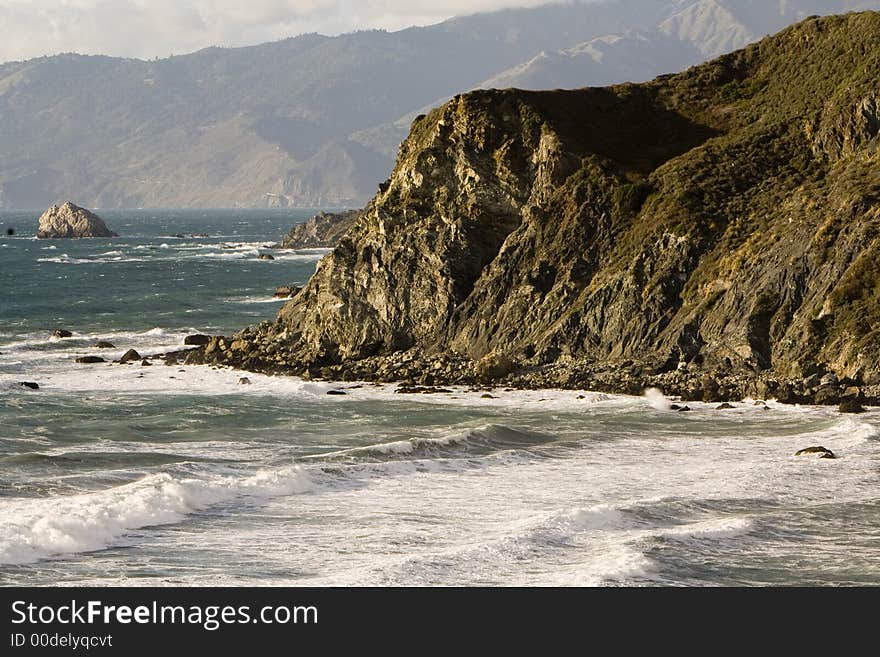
{"points": [[716, 232], [324, 230], [70, 220]]}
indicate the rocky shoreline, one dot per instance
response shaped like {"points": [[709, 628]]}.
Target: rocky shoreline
{"points": [[262, 349]]}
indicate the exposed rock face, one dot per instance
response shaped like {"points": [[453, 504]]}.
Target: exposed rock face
{"points": [[324, 230], [716, 230], [70, 220]]}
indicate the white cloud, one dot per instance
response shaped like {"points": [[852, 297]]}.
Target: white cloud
{"points": [[151, 28]]}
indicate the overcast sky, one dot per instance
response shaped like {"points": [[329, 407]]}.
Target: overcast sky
{"points": [[151, 28]]}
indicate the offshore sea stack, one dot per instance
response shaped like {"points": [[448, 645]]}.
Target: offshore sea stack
{"points": [[715, 233], [69, 221]]}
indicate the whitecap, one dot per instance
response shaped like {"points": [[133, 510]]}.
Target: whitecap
{"points": [[31, 529]]}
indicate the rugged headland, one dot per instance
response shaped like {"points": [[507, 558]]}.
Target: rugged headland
{"points": [[72, 221], [714, 233], [324, 230]]}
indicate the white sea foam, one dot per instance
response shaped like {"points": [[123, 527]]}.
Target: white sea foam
{"points": [[484, 439], [656, 400], [256, 299], [715, 528], [34, 529]]}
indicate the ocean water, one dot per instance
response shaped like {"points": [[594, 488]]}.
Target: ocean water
{"points": [[134, 475]]}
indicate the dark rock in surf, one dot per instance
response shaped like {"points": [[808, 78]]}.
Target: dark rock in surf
{"points": [[62, 333], [197, 339], [129, 356], [821, 452], [265, 256], [725, 406], [90, 360], [29, 384], [146, 363], [244, 381], [103, 344], [336, 392]]}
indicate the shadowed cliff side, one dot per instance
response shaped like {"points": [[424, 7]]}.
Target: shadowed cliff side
{"points": [[722, 223]]}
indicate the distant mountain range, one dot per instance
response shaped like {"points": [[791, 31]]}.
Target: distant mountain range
{"points": [[314, 120]]}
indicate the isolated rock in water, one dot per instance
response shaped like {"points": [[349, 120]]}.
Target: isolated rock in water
{"points": [[197, 339], [129, 356], [266, 256], [62, 333], [244, 381], [103, 344], [29, 384], [89, 360], [336, 392], [820, 451], [70, 220], [323, 230]]}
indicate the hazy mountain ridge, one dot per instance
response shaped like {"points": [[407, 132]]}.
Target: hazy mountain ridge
{"points": [[316, 120]]}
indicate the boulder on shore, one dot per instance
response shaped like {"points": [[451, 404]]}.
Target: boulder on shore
{"points": [[69, 221], [197, 339]]}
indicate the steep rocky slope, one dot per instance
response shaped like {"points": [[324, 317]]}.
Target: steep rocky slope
{"points": [[715, 232]]}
